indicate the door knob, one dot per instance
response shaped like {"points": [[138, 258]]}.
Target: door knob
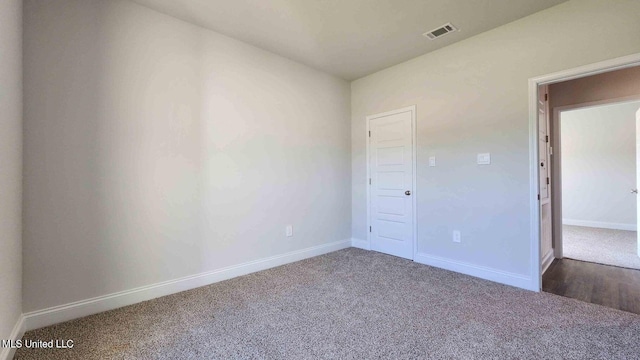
{"points": [[634, 191], [409, 192]]}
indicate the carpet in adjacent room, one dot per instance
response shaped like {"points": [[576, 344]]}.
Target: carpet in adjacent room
{"points": [[602, 246]]}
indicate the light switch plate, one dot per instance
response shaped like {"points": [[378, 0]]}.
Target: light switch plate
{"points": [[432, 161], [484, 159]]}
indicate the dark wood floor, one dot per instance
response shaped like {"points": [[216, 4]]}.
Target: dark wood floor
{"points": [[611, 286]]}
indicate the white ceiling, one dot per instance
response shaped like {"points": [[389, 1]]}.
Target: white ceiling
{"points": [[347, 38]]}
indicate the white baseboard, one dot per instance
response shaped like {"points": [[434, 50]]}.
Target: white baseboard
{"points": [[360, 244], [547, 260], [61, 313], [600, 224], [483, 272], [16, 334]]}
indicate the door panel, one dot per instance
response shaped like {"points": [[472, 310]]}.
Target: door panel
{"points": [[544, 161], [391, 170], [391, 156], [543, 137]]}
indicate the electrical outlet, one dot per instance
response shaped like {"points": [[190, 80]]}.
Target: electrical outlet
{"points": [[289, 230], [456, 236]]}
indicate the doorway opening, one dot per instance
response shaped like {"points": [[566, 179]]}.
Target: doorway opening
{"points": [[597, 157], [586, 178], [583, 72]]}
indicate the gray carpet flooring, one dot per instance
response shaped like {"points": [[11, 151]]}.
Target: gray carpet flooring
{"points": [[602, 246], [350, 304]]}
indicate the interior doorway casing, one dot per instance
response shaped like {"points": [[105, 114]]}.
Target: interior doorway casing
{"points": [[534, 211], [412, 110]]}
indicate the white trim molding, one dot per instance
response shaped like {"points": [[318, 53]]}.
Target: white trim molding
{"points": [[16, 334], [360, 244], [74, 310], [547, 260], [534, 208], [483, 272], [600, 224]]}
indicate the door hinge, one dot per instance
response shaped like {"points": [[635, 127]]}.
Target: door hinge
{"points": [[547, 138], [369, 228], [550, 150], [547, 181], [546, 97], [369, 181], [369, 133], [538, 196]]}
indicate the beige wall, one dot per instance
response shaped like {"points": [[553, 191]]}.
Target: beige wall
{"points": [[609, 85], [10, 165], [472, 97], [156, 149]]}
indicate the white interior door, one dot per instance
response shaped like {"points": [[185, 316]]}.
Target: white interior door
{"points": [[544, 153], [391, 158]]}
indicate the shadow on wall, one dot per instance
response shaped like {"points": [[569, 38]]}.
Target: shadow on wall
{"points": [[113, 154], [156, 149]]}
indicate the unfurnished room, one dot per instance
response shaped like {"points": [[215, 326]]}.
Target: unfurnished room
{"points": [[319, 179]]}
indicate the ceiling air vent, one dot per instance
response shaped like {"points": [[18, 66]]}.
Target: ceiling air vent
{"points": [[441, 31]]}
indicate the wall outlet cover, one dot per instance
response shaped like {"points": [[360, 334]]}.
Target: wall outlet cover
{"points": [[484, 159]]}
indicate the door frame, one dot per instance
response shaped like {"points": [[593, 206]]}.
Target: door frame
{"points": [[412, 110], [534, 205], [556, 174]]}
